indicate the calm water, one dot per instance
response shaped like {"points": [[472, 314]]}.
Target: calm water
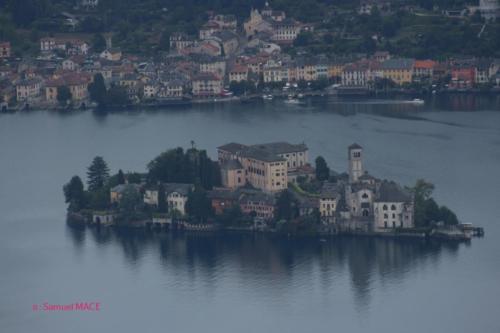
{"points": [[151, 282]]}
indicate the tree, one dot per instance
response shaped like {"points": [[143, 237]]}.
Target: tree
{"points": [[198, 205], [422, 189], [120, 177], [162, 200], [97, 174], [63, 94], [97, 90], [322, 169], [74, 194], [98, 43], [129, 203], [304, 38], [447, 216], [286, 206], [117, 96], [134, 178]]}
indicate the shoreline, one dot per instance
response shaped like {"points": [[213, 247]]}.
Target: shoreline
{"points": [[255, 99], [332, 231]]}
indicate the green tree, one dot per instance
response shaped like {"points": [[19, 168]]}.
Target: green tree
{"points": [[117, 96], [162, 200], [97, 90], [286, 206], [322, 169], [120, 177], [134, 178], [63, 94], [98, 43], [74, 194], [128, 207], [198, 205], [97, 174]]}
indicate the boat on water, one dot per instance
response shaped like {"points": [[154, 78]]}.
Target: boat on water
{"points": [[293, 99], [267, 97], [417, 101]]}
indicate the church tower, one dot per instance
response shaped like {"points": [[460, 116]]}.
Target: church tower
{"points": [[355, 162]]}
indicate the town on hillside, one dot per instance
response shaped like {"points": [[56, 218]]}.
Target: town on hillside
{"points": [[265, 55], [260, 187]]}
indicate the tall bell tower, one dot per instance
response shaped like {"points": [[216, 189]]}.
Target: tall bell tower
{"points": [[355, 162]]}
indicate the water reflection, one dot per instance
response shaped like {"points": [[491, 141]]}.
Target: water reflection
{"points": [[273, 264]]}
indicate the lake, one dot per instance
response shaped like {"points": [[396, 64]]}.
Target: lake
{"points": [[150, 282]]}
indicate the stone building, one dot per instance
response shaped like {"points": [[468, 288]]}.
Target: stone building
{"points": [[393, 208], [265, 166]]}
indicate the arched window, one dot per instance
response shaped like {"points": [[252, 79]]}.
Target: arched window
{"points": [[365, 212], [385, 207], [386, 216], [364, 196], [393, 207]]}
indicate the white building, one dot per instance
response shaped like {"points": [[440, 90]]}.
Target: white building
{"points": [[393, 208], [355, 162], [176, 196]]}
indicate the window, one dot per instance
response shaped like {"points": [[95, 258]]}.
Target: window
{"points": [[393, 215], [393, 207], [394, 224], [385, 224], [364, 196], [385, 207], [386, 216]]}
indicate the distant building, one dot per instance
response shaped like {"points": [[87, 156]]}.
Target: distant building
{"points": [[112, 54], [28, 89], [206, 85], [238, 73], [5, 50], [423, 69], [89, 4], [233, 174], [393, 208], [355, 162], [489, 9], [179, 41], [399, 70], [116, 193], [265, 166], [176, 196], [328, 202]]}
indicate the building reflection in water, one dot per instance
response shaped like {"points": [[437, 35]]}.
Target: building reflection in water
{"points": [[273, 264]]}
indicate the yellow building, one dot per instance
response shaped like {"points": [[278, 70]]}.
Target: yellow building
{"points": [[398, 70], [265, 166]]}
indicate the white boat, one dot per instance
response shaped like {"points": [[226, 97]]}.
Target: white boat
{"points": [[267, 97], [292, 100], [417, 101]]}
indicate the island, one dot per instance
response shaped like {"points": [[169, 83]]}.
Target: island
{"points": [[269, 187]]}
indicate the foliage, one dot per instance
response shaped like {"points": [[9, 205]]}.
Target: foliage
{"points": [[241, 88], [97, 89], [286, 206], [427, 211], [198, 205], [162, 200], [190, 166], [97, 174], [121, 177], [98, 43], [74, 194], [129, 205], [63, 94], [134, 178], [232, 216], [322, 169], [98, 199]]}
